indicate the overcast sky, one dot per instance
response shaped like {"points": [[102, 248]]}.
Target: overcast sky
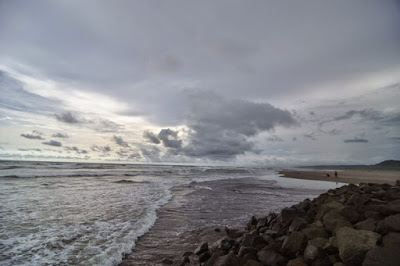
{"points": [[208, 82]]}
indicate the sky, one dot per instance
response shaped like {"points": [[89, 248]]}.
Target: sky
{"points": [[200, 82]]}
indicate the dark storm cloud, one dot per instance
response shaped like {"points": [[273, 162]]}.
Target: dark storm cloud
{"points": [[355, 140], [103, 149], [75, 149], [170, 138], [267, 48], [67, 117], [53, 143], [220, 129], [60, 135], [120, 141], [396, 138], [151, 137]]}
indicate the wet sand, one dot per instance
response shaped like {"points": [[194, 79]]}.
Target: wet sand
{"points": [[345, 176], [196, 210]]}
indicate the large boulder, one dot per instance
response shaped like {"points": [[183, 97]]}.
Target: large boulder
{"points": [[229, 260], [333, 220], [297, 224], [271, 258], [391, 240], [203, 247], [390, 223], [382, 256], [294, 243], [315, 230], [354, 244], [288, 214], [315, 249], [297, 262], [368, 224]]}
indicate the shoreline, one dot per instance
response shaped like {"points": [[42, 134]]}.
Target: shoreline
{"points": [[350, 225], [344, 176]]}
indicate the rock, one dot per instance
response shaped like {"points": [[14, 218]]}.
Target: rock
{"points": [[252, 223], [202, 248], [398, 183], [379, 256], [187, 254], [354, 244], [217, 230], [287, 215], [315, 249], [271, 258], [390, 223], [233, 233], [339, 264], [313, 231], [391, 240], [294, 243], [368, 224], [392, 207], [247, 240], [261, 222], [327, 207], [229, 260], [212, 261], [333, 220], [222, 244], [297, 262], [167, 261], [253, 263], [246, 250], [351, 214], [297, 224], [334, 258], [272, 233], [204, 256]]}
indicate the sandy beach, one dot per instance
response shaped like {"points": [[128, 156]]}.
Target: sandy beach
{"points": [[345, 176]]}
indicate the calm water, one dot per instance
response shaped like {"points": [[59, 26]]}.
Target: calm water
{"points": [[93, 214]]}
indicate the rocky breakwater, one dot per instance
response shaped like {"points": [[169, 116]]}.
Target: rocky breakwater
{"points": [[351, 225]]}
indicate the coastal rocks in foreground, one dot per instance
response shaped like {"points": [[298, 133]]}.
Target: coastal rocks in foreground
{"points": [[351, 225]]}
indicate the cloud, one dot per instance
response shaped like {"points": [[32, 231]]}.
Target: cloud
{"points": [[355, 140], [151, 137], [274, 138], [67, 118], [60, 135], [75, 149], [103, 149], [34, 135], [170, 138], [310, 136], [369, 114], [220, 129], [29, 149], [119, 141], [150, 153], [53, 143], [396, 138]]}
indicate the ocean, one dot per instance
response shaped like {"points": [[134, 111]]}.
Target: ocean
{"points": [[107, 214]]}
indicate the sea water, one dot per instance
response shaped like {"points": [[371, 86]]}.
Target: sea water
{"points": [[93, 214]]}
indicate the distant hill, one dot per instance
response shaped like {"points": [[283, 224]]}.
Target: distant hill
{"points": [[385, 165]]}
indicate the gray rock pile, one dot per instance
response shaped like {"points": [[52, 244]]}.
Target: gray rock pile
{"points": [[351, 225]]}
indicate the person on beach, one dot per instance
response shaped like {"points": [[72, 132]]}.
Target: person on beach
{"points": [[336, 174]]}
